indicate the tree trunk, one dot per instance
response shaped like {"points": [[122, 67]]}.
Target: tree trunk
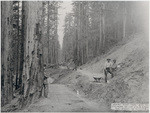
{"points": [[103, 27], [7, 53], [48, 33], [33, 74], [124, 21]]}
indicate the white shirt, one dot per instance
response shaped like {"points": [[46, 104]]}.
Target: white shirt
{"points": [[108, 64]]}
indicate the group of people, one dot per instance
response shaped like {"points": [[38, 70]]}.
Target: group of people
{"points": [[110, 67]]}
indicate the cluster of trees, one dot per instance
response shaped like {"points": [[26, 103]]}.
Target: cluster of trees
{"points": [[26, 27], [12, 48], [50, 35], [94, 27]]}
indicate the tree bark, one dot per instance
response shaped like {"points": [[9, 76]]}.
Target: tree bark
{"points": [[7, 53]]}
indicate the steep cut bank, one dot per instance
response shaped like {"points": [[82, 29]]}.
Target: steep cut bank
{"points": [[130, 84]]}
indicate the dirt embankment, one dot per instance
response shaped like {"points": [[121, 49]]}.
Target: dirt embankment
{"points": [[130, 84]]}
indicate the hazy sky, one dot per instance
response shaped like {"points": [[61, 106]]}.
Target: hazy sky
{"points": [[65, 8]]}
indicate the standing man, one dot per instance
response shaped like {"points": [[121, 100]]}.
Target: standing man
{"points": [[45, 84], [108, 69]]}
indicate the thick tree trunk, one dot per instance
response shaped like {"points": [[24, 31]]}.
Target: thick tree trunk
{"points": [[7, 53], [33, 70]]}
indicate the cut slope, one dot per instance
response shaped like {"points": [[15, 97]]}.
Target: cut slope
{"points": [[130, 85], [137, 46]]}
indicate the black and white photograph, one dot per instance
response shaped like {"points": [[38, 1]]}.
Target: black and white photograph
{"points": [[74, 56]]}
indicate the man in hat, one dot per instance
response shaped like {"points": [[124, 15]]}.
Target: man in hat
{"points": [[108, 69]]}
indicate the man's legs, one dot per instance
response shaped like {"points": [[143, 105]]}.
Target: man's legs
{"points": [[105, 72], [112, 75], [41, 91], [110, 71], [45, 90]]}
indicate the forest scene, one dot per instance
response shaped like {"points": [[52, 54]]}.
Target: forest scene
{"points": [[74, 56]]}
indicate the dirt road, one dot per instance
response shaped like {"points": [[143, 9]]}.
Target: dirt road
{"points": [[62, 99]]}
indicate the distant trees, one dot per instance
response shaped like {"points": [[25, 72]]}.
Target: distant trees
{"points": [[76, 34], [68, 40], [95, 26], [50, 36]]}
